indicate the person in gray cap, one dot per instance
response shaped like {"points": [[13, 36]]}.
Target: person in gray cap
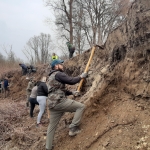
{"points": [[59, 104]]}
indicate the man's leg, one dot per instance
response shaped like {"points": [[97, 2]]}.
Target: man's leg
{"points": [[54, 120], [26, 71], [69, 105], [32, 105], [78, 108], [57, 112], [71, 54], [23, 71], [8, 91]]}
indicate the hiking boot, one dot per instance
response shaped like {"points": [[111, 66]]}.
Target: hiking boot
{"points": [[74, 131], [51, 148]]}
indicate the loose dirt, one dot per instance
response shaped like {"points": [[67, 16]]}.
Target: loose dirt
{"points": [[116, 95]]}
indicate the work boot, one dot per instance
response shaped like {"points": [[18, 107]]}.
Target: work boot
{"points": [[74, 131], [51, 148]]}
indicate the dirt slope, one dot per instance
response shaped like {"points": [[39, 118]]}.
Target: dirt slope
{"points": [[116, 94]]}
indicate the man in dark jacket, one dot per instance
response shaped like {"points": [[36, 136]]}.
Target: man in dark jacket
{"points": [[24, 69], [31, 69], [6, 88], [58, 102], [71, 49]]}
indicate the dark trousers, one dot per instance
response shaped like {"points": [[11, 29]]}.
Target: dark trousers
{"points": [[33, 102], [56, 113], [24, 71], [71, 53], [6, 91]]}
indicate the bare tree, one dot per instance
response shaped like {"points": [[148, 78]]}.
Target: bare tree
{"points": [[103, 16], [10, 54], [45, 46], [79, 35], [8, 62], [28, 52], [63, 12], [2, 59], [33, 44], [100, 17], [38, 48], [87, 22]]}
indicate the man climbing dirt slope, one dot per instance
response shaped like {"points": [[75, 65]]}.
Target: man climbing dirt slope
{"points": [[116, 94]]}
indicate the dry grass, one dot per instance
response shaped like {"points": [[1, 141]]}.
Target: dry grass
{"points": [[10, 116], [7, 67]]}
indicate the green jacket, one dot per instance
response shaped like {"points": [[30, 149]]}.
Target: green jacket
{"points": [[69, 45]]}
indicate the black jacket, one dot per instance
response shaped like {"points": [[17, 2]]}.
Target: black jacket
{"points": [[65, 79], [42, 89]]}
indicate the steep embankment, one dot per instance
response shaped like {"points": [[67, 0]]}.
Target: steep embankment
{"points": [[116, 94], [117, 90]]}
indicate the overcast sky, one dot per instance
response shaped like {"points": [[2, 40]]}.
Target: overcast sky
{"points": [[20, 20]]}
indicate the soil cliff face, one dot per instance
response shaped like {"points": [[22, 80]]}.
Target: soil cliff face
{"points": [[116, 94]]}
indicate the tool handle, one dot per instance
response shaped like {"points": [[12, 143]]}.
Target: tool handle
{"points": [[87, 67], [80, 84], [89, 61]]}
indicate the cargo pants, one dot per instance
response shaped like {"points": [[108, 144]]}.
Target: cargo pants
{"points": [[56, 113]]}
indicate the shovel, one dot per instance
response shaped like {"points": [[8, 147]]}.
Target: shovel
{"points": [[88, 64]]}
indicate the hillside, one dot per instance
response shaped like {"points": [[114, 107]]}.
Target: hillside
{"points": [[116, 93]]}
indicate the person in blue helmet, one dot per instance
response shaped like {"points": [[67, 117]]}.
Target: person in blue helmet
{"points": [[58, 103]]}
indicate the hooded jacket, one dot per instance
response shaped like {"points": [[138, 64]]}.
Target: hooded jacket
{"points": [[42, 89], [56, 86]]}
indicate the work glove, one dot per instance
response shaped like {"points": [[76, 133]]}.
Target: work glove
{"points": [[29, 90], [75, 93], [83, 75]]}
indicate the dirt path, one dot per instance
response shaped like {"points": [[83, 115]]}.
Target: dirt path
{"points": [[117, 122]]}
